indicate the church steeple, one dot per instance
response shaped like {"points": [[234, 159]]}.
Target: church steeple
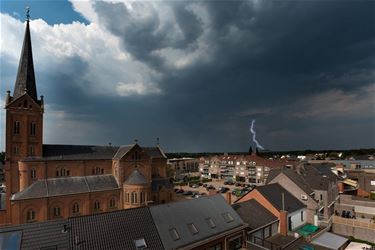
{"points": [[25, 81]]}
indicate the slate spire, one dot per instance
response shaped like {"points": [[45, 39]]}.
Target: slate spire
{"points": [[25, 81]]}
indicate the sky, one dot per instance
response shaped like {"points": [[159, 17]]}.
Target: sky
{"points": [[197, 73]]}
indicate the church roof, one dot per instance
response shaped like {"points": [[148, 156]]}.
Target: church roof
{"points": [[122, 151], [25, 81], [154, 152], [136, 178], [67, 185]]}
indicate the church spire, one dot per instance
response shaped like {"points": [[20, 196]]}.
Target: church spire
{"points": [[25, 82]]}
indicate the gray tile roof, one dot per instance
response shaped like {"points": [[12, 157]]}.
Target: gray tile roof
{"points": [[67, 185], [178, 215], [273, 193], [292, 174], [254, 214], [39, 235], [308, 177], [115, 230], [159, 183], [136, 178]]}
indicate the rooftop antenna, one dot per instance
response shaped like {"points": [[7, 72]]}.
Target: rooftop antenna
{"points": [[27, 13]]}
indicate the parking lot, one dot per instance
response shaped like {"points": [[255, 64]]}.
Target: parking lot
{"points": [[198, 191]]}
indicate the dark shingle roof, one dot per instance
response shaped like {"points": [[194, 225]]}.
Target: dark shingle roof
{"points": [[273, 193], [154, 152], [136, 178], [292, 174], [308, 177], [254, 214], [76, 152], [68, 185], [159, 183], [115, 230], [178, 215], [40, 235]]}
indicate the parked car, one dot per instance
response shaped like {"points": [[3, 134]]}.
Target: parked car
{"points": [[195, 186], [210, 187], [188, 193], [180, 191], [237, 184], [205, 185]]}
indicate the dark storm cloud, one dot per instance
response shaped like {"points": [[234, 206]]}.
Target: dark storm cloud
{"points": [[267, 55], [295, 66]]}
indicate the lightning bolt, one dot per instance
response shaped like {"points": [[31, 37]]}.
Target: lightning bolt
{"points": [[254, 135]]}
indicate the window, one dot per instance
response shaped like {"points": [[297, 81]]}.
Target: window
{"points": [[16, 150], [56, 212], [227, 217], [31, 215], [301, 215], [32, 128], [174, 234], [75, 208], [142, 194], [127, 197], [192, 228], [112, 203], [96, 206], [134, 197], [62, 172], [33, 173], [98, 170], [140, 244], [321, 197], [16, 127], [216, 247], [210, 222], [31, 150]]}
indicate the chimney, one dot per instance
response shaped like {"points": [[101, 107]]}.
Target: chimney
{"points": [[228, 197], [283, 219]]}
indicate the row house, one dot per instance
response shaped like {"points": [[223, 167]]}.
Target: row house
{"points": [[242, 168]]}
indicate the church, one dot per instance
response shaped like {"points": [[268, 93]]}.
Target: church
{"points": [[48, 182]]}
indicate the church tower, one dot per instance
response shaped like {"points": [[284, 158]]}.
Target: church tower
{"points": [[24, 118]]}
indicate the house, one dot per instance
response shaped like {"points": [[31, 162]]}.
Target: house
{"points": [[203, 223], [315, 185], [262, 224], [290, 212]]}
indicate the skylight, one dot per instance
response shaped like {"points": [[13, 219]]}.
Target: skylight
{"points": [[227, 217], [140, 244], [211, 223], [192, 228], [174, 234]]}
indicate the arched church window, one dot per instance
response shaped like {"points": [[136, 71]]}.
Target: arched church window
{"points": [[30, 215], [127, 197], [33, 173], [32, 128], [75, 208], [56, 212], [25, 104], [134, 197], [96, 205], [112, 203], [16, 127]]}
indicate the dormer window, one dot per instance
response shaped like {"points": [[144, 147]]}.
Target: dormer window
{"points": [[174, 234], [192, 228], [227, 217]]}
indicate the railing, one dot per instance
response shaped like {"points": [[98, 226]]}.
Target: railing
{"points": [[254, 240], [354, 222]]}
